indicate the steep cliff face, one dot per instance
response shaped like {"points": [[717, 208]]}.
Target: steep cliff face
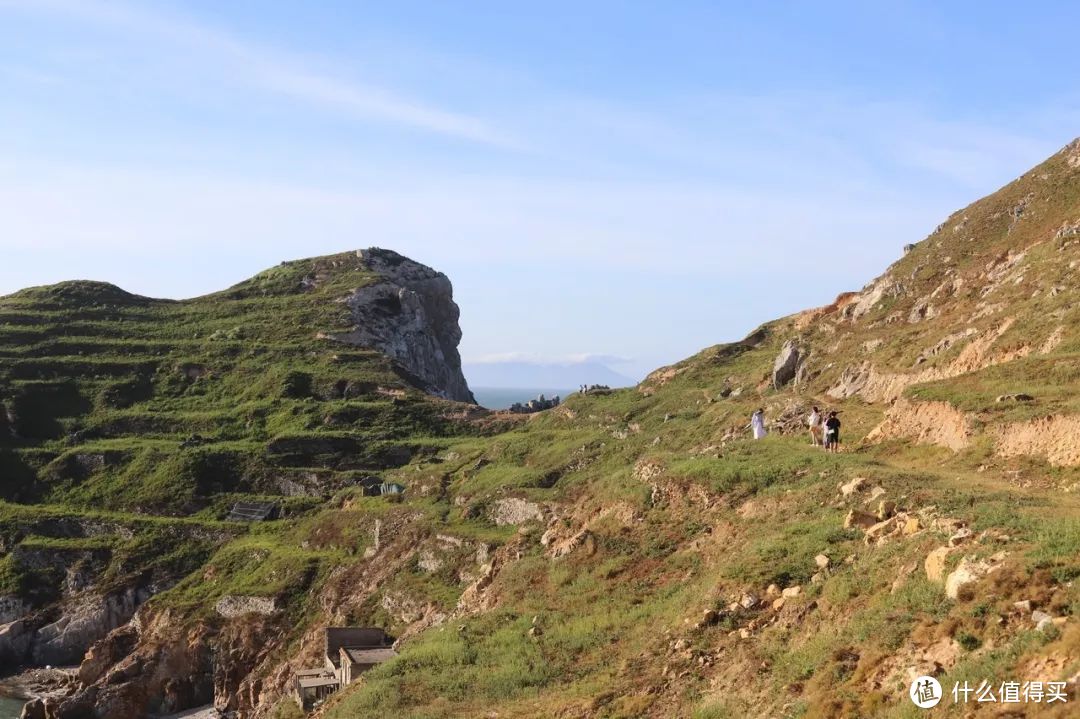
{"points": [[409, 315]]}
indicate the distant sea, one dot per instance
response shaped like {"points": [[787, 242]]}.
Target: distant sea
{"points": [[503, 397]]}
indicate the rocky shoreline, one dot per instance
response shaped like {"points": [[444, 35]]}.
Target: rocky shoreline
{"points": [[39, 683], [35, 685]]}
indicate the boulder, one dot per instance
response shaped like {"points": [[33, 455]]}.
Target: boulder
{"points": [[911, 526], [935, 563], [33, 709], [786, 365], [855, 485], [886, 509], [881, 529], [961, 536], [15, 640], [968, 572], [708, 618], [857, 518], [791, 592], [822, 561]]}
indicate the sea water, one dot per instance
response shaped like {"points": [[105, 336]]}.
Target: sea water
{"points": [[503, 397], [10, 708]]}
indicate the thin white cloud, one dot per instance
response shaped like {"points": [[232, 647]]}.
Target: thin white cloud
{"points": [[268, 70]]}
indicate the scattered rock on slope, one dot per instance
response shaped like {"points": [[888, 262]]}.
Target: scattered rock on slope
{"points": [[786, 366]]}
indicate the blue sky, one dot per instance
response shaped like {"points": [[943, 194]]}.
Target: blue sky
{"points": [[631, 180]]}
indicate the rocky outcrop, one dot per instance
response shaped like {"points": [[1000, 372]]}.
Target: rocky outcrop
{"points": [[63, 640], [786, 366], [231, 606], [925, 423], [12, 608], [410, 316], [1056, 438], [163, 662], [66, 640], [968, 572], [515, 511]]}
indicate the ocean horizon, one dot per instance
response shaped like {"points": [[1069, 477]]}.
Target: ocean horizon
{"points": [[503, 397]]}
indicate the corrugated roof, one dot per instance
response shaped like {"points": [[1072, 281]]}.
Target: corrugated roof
{"points": [[252, 511]]}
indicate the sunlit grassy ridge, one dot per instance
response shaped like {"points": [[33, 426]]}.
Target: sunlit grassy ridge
{"points": [[728, 522]]}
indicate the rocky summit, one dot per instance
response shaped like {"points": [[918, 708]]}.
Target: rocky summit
{"points": [[199, 495]]}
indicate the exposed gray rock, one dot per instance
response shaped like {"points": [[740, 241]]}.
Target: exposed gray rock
{"points": [[66, 640], [851, 382], [880, 289], [12, 608], [33, 709], [922, 310], [411, 317], [786, 366], [15, 639], [515, 511], [232, 605]]}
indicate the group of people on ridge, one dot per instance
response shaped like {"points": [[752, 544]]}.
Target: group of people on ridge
{"points": [[824, 430]]}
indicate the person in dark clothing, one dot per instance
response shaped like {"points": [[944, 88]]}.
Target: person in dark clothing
{"points": [[832, 433]]}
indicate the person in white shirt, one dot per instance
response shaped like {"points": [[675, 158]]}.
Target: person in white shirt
{"points": [[757, 424], [814, 422]]}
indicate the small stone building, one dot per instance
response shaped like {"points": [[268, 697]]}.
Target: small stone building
{"points": [[355, 661], [349, 652], [311, 686]]}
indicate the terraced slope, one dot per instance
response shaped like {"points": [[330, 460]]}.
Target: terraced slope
{"points": [[129, 426]]}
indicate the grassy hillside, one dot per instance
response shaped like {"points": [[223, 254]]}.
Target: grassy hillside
{"points": [[629, 554], [643, 589], [129, 426]]}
